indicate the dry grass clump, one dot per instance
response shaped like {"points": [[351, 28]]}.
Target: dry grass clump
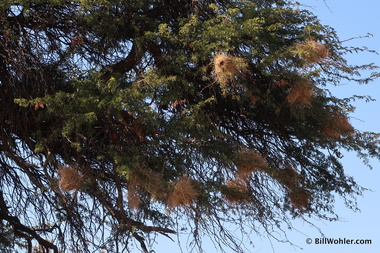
{"points": [[184, 192], [227, 67], [144, 181], [299, 199], [70, 179], [300, 93], [338, 126], [133, 194], [249, 161], [236, 191], [150, 181], [312, 51], [288, 177]]}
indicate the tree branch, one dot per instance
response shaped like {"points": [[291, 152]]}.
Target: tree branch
{"points": [[19, 228], [127, 64], [141, 240], [128, 222]]}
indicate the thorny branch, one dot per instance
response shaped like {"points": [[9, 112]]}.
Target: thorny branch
{"points": [[23, 230]]}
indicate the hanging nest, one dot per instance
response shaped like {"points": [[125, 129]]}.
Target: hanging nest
{"points": [[70, 179], [299, 198], [287, 177], [337, 126], [248, 162], [312, 51], [184, 192], [227, 67], [143, 181], [133, 195], [236, 191], [301, 92]]}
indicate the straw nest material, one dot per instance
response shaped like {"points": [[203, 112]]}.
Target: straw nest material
{"points": [[337, 126], [70, 179], [312, 51], [226, 67], [184, 192], [236, 191], [302, 92], [249, 161]]}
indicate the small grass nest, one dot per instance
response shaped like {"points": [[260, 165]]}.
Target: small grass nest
{"points": [[133, 195], [70, 179], [142, 181], [299, 199]]}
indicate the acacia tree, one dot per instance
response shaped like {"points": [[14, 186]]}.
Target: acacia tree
{"points": [[125, 119]]}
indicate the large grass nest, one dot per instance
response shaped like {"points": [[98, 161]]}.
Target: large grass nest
{"points": [[70, 179], [144, 181], [312, 51], [337, 126], [227, 67], [236, 191], [249, 161], [184, 192], [301, 92]]}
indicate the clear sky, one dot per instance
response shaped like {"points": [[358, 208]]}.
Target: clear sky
{"points": [[350, 18]]}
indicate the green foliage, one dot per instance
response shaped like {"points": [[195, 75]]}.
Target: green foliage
{"points": [[171, 112]]}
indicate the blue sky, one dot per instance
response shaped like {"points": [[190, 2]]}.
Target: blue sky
{"points": [[350, 18]]}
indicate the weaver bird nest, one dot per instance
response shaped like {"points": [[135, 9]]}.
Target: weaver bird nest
{"points": [[227, 67], [184, 192], [70, 179], [312, 51]]}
